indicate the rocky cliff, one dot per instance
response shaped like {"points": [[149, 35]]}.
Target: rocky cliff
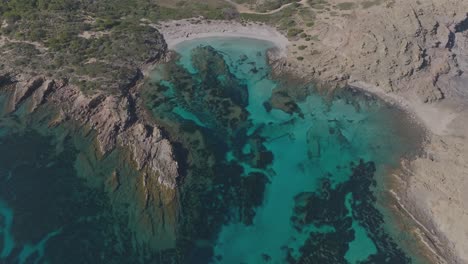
{"points": [[116, 117], [415, 48]]}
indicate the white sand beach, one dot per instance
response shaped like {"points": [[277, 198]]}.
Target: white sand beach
{"points": [[178, 31]]}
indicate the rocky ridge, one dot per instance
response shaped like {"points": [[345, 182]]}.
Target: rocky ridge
{"points": [[114, 118], [399, 47]]}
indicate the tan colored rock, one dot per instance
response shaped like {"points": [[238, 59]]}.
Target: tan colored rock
{"points": [[413, 53], [110, 117]]}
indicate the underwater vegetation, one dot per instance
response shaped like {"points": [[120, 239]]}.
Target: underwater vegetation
{"points": [[271, 172], [275, 172]]}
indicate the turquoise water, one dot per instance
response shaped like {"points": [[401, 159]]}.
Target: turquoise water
{"points": [[8, 242], [272, 171], [312, 161]]}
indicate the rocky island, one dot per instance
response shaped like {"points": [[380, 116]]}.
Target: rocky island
{"points": [[171, 150]]}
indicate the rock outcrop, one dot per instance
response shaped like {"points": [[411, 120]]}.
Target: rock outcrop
{"points": [[112, 117], [107, 104], [412, 48], [414, 53]]}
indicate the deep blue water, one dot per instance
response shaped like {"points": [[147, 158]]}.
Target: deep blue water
{"points": [[272, 172]]}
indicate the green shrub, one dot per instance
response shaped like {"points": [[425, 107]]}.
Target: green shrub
{"points": [[294, 32], [345, 5]]}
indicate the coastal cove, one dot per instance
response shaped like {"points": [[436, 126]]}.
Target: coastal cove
{"points": [[271, 171], [275, 171], [234, 132]]}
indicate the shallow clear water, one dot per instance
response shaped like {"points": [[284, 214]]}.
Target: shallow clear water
{"points": [[319, 142], [272, 172]]}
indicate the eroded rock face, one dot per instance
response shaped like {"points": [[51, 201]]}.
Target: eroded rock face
{"points": [[106, 104], [411, 48], [21, 93], [112, 117]]}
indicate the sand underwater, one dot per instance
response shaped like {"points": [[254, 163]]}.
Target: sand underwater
{"points": [[272, 172]]}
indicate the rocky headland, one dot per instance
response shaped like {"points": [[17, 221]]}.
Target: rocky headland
{"points": [[83, 64], [115, 117]]}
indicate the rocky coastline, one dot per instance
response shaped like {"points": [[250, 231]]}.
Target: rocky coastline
{"points": [[424, 58], [115, 119]]}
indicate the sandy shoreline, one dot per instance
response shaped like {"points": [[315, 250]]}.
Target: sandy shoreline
{"points": [[176, 32], [417, 188], [429, 190], [401, 206], [435, 120]]}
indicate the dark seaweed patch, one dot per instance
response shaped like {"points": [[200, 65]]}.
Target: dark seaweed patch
{"points": [[450, 41], [462, 26], [327, 208], [215, 190]]}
